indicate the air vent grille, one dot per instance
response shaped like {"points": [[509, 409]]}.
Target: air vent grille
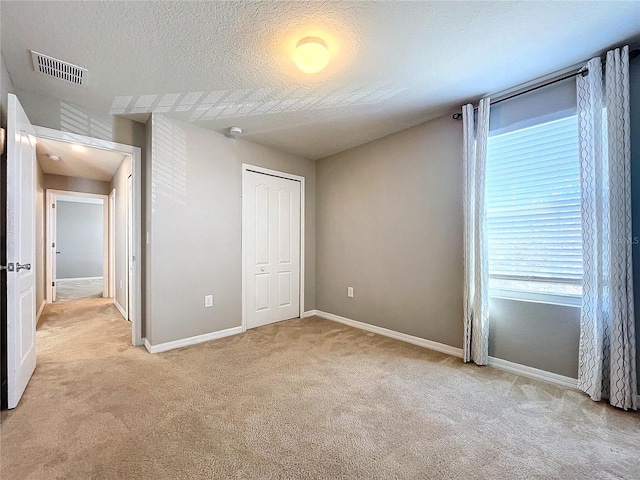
{"points": [[57, 68]]}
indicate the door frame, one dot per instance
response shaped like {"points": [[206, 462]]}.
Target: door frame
{"points": [[112, 244], [289, 176], [52, 195], [136, 171]]}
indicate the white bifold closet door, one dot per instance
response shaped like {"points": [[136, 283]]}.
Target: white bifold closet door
{"points": [[272, 248]]}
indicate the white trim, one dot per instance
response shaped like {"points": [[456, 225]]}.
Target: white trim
{"points": [[44, 302], [52, 197], [185, 342], [421, 342], [136, 171], [112, 244], [78, 278], [534, 373], [498, 363], [537, 297], [120, 309], [246, 167]]}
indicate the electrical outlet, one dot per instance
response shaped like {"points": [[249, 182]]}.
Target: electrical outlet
{"points": [[350, 292], [208, 300]]}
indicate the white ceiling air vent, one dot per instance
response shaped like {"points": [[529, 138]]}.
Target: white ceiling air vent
{"points": [[57, 68]]}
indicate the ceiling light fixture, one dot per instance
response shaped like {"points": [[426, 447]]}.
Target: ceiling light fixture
{"points": [[55, 158], [77, 148], [311, 54]]}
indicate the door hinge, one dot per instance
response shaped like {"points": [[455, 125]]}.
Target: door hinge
{"points": [[53, 245], [53, 205], [53, 284]]}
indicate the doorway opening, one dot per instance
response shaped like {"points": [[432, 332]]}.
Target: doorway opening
{"points": [[91, 235], [24, 226], [77, 236]]}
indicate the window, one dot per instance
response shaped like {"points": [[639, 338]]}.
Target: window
{"points": [[533, 209]]}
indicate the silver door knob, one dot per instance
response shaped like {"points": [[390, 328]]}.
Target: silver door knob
{"points": [[26, 266], [262, 269]]}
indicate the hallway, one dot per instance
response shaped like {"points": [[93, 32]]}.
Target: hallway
{"points": [[84, 353], [75, 289]]}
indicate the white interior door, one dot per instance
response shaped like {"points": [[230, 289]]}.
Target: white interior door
{"points": [[272, 248], [21, 248]]}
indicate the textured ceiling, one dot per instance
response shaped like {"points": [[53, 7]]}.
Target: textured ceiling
{"points": [[90, 163], [216, 64]]}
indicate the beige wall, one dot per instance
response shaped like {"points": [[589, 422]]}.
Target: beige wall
{"points": [[119, 184], [389, 224], [196, 226], [75, 184]]}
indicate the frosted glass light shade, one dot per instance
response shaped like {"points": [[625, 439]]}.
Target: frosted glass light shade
{"points": [[311, 54]]}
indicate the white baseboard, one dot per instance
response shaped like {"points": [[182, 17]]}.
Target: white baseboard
{"points": [[531, 372], [511, 367], [44, 302], [120, 309], [185, 342], [421, 342], [78, 278]]}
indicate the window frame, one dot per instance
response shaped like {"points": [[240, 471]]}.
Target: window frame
{"points": [[552, 298]]}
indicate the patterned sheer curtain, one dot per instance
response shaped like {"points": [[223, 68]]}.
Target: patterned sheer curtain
{"points": [[607, 363], [476, 298]]}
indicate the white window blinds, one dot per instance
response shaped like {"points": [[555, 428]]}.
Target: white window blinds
{"points": [[533, 208]]}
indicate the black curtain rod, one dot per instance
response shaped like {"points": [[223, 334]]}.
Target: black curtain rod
{"points": [[583, 71]]}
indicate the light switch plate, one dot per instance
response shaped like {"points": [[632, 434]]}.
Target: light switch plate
{"points": [[350, 292]]}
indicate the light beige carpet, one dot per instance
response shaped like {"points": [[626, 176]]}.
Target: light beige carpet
{"points": [[74, 289], [296, 400]]}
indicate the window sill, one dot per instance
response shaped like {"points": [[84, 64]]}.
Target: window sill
{"points": [[536, 297]]}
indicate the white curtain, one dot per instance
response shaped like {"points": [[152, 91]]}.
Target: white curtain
{"points": [[607, 362], [476, 298]]}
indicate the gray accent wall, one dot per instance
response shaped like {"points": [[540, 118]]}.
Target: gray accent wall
{"points": [[196, 227], [79, 238], [538, 335], [119, 185], [389, 224], [41, 247]]}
